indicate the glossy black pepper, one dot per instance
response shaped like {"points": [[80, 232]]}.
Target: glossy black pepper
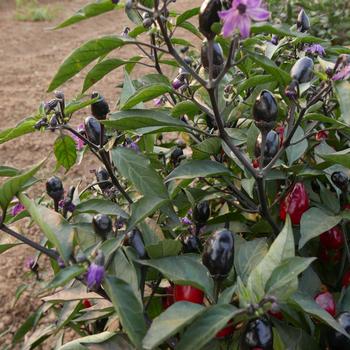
{"points": [[100, 108], [191, 244], [341, 180], [258, 334], [303, 21], [102, 175], [92, 130], [265, 110], [201, 212], [134, 239], [54, 188], [208, 15], [271, 146], [102, 225], [218, 58], [302, 71], [336, 340]]}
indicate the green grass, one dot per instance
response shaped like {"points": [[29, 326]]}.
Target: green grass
{"points": [[31, 10]]}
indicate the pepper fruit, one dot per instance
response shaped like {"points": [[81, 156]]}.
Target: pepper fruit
{"points": [[295, 203], [102, 175], [134, 239], [54, 188], [176, 156], [86, 303], [346, 279], [330, 256], [208, 15], [265, 110], [218, 57], [333, 238], [100, 108], [341, 180], [102, 225], [188, 293], [201, 213], [218, 253], [303, 21], [168, 299], [302, 71], [336, 340], [258, 334], [321, 135], [191, 244], [226, 331], [93, 130], [271, 146], [326, 302]]}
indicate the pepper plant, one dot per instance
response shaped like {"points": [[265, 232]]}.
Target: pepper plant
{"points": [[217, 216]]}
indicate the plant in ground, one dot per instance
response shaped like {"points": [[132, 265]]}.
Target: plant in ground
{"points": [[178, 240]]}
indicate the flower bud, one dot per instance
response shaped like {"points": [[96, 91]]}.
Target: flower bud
{"points": [[302, 71], [96, 272], [208, 15], [303, 21], [54, 188]]}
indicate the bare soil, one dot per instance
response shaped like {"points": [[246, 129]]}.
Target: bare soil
{"points": [[30, 55]]}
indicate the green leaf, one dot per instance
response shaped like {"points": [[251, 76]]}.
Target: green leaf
{"points": [[65, 151], [284, 278], [342, 89], [341, 157], [13, 185], [170, 322], [65, 275], [26, 126], [197, 168], [282, 248], [103, 206], [8, 171], [138, 170], [205, 327], [314, 222], [247, 256], [56, 229], [187, 15], [253, 82], [206, 148], [91, 10], [185, 107], [84, 55], [5, 247], [270, 67], [141, 118], [78, 344], [167, 247], [294, 152], [308, 305], [191, 28], [128, 307], [183, 270], [145, 94]]}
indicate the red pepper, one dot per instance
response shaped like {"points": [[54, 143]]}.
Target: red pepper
{"points": [[168, 299], [332, 256], [326, 301], [188, 293], [296, 203], [226, 331], [86, 303], [276, 314], [321, 135], [255, 163], [346, 279], [333, 238], [280, 132]]}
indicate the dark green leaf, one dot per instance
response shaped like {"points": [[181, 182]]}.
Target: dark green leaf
{"points": [[167, 247], [5, 247], [205, 327], [8, 171], [198, 168], [187, 15], [170, 322], [65, 275], [65, 151], [183, 270], [191, 28], [26, 126], [253, 82], [128, 307], [13, 185], [341, 157], [103, 206], [185, 107], [314, 222], [294, 152], [77, 344], [342, 89]]}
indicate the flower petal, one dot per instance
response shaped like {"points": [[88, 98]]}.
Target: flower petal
{"points": [[230, 24], [258, 14], [244, 26], [254, 3]]}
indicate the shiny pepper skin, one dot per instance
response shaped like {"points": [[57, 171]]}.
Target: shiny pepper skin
{"points": [[303, 21], [86, 303], [168, 299], [218, 58], [330, 256], [134, 239], [191, 244], [208, 15], [102, 175], [102, 225], [92, 129], [226, 331], [302, 71], [188, 293], [218, 253], [346, 279], [296, 203], [271, 146], [258, 335], [326, 302], [54, 188], [336, 340], [333, 238], [100, 108], [341, 180], [201, 212], [265, 108]]}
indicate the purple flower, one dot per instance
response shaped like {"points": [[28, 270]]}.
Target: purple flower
{"points": [[79, 142], [158, 102], [240, 15], [129, 143], [315, 49], [18, 208], [66, 204], [186, 221], [343, 74], [95, 276], [177, 83], [61, 263]]}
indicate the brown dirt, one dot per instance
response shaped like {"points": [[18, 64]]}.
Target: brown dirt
{"points": [[30, 55]]}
